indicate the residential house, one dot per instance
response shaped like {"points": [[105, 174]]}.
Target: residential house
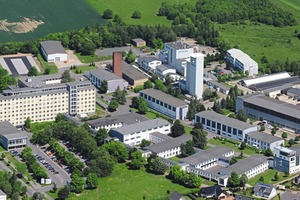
{"points": [[176, 196], [264, 191], [212, 192]]}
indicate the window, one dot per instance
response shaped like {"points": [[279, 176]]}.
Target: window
{"points": [[224, 127], [218, 126], [208, 122], [203, 121], [213, 124], [234, 131]]}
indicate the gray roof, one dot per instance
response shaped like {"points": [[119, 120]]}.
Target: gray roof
{"points": [[179, 45], [2, 193], [244, 165], [288, 195], [240, 197], [176, 196], [263, 190], [219, 85], [18, 135], [295, 91], [52, 47], [138, 40], [103, 74], [296, 148], [282, 87], [7, 128], [38, 80], [205, 155], [125, 119], [265, 102], [163, 67], [264, 137], [162, 136], [270, 84], [211, 115], [166, 98], [169, 144], [145, 125], [131, 72], [148, 58]]}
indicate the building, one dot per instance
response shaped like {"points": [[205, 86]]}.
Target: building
{"points": [[223, 125], [163, 70], [250, 166], [218, 86], [116, 121], [263, 140], [283, 83], [11, 137], [264, 79], [241, 61], [117, 64], [148, 63], [41, 98], [97, 76], [138, 42], [240, 197], [294, 93], [165, 103], [261, 107], [264, 191], [214, 192], [170, 147], [287, 160], [53, 51], [194, 76], [3, 196], [133, 134], [132, 75], [290, 195]]}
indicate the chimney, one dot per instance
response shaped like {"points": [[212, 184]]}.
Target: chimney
{"points": [[117, 64]]}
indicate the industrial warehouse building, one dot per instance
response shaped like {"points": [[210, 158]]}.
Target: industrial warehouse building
{"points": [[53, 51]]}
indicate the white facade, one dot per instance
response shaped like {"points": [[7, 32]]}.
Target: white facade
{"points": [[257, 170], [181, 66], [58, 57], [170, 152], [263, 140], [241, 61], [2, 195], [286, 160], [149, 63], [194, 77], [53, 51], [164, 73]]}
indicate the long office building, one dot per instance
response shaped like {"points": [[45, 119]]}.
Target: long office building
{"points": [[261, 107], [41, 98]]}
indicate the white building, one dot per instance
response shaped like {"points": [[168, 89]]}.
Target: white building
{"points": [[173, 51], [169, 147], [287, 160], [265, 191], [263, 140], [149, 63], [241, 61], [194, 76], [53, 51], [163, 70], [165, 103], [265, 79], [2, 195], [133, 134], [223, 125]]}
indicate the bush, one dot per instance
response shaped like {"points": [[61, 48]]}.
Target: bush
{"points": [[138, 88], [136, 15]]}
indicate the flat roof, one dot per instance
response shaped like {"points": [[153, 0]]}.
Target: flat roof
{"points": [[240, 55], [52, 47], [169, 144], [179, 45], [125, 119], [295, 91], [234, 123], [19, 135], [245, 165], [166, 98], [162, 136], [266, 78], [38, 80], [276, 83], [148, 58], [7, 128], [144, 125], [103, 74], [163, 67], [263, 101], [219, 85], [138, 40], [265, 137], [131, 72]]}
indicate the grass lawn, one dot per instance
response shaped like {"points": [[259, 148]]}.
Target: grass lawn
{"points": [[268, 176], [2, 149], [45, 64], [100, 111], [83, 69], [293, 3], [105, 102], [175, 158], [231, 145], [128, 184], [150, 115], [188, 129], [207, 182], [92, 58]]}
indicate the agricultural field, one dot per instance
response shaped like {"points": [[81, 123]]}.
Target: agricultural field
{"points": [[25, 20], [293, 3], [148, 9]]}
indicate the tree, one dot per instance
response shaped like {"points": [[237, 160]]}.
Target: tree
{"points": [[276, 177], [284, 135], [92, 180], [120, 95], [5, 79], [199, 138], [32, 71], [291, 142], [38, 196], [262, 128], [194, 180], [234, 180], [100, 136], [137, 161], [198, 126], [21, 168], [273, 131], [60, 117], [66, 77], [177, 129], [47, 71], [103, 87], [187, 149], [243, 180], [241, 115], [207, 94], [243, 146], [262, 179], [268, 152], [77, 183], [102, 164], [148, 84], [142, 105], [113, 105], [145, 143], [27, 123], [157, 166], [233, 160], [63, 193], [87, 48], [117, 150], [194, 107], [130, 58], [136, 15], [54, 188], [107, 14]]}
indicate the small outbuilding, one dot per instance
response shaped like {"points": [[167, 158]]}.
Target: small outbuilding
{"points": [[138, 42], [53, 51]]}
